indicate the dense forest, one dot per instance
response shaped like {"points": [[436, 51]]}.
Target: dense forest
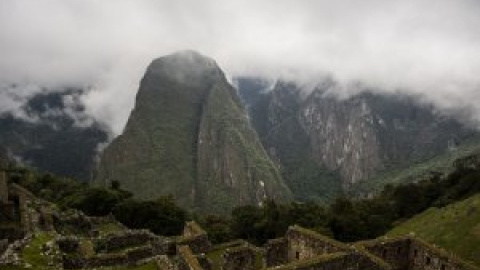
{"points": [[345, 219]]}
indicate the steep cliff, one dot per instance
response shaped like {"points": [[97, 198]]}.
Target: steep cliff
{"points": [[324, 144], [189, 136]]}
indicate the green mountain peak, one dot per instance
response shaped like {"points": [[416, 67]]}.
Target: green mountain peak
{"points": [[189, 136]]}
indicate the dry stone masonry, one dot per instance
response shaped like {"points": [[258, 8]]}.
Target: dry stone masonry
{"points": [[79, 242]]}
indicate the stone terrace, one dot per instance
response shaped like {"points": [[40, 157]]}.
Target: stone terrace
{"points": [[72, 240]]}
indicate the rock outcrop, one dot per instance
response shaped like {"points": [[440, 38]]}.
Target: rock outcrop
{"points": [[189, 136], [325, 144]]}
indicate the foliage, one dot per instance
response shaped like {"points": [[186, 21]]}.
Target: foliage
{"points": [[217, 228], [96, 201], [345, 219], [161, 216], [455, 227]]}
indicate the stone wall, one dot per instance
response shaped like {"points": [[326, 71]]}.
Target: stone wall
{"points": [[187, 261], [9, 212], [68, 244], [423, 256], [129, 257], [12, 233], [192, 228], [198, 244], [164, 263], [333, 261], [71, 262], [304, 244], [14, 206], [3, 246], [195, 237], [126, 248], [413, 254], [393, 251], [102, 220], [276, 252], [3, 188], [124, 239], [72, 222], [204, 262], [46, 218], [12, 255], [239, 258]]}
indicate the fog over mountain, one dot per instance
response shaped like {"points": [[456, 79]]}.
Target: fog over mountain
{"points": [[423, 47]]}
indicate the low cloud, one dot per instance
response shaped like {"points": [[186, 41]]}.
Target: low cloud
{"points": [[422, 47]]}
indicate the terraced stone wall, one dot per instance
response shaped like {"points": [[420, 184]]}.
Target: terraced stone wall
{"points": [[304, 244], [276, 252]]}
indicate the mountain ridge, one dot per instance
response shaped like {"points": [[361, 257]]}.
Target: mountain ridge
{"points": [[343, 142], [189, 136]]}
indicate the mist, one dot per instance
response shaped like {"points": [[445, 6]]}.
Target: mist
{"points": [[429, 48]]}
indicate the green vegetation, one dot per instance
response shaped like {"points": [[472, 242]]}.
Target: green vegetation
{"points": [[216, 254], [345, 219], [259, 224], [441, 164], [311, 182], [161, 216], [228, 141], [107, 228], [189, 137], [455, 227], [33, 256]]}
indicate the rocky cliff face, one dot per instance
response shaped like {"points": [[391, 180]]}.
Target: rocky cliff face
{"points": [[342, 135], [320, 140], [189, 136]]}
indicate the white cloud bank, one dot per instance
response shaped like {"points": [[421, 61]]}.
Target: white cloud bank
{"points": [[426, 47]]}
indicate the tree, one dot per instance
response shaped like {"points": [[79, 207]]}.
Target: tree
{"points": [[162, 216], [96, 201]]}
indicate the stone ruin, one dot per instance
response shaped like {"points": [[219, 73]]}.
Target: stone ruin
{"points": [[15, 202], [21, 213], [82, 242], [128, 247], [303, 249]]}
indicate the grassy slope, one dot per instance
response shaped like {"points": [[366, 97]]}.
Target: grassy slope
{"points": [[442, 163], [455, 227]]}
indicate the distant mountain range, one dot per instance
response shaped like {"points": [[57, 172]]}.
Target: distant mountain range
{"points": [[327, 145], [55, 135], [193, 135]]}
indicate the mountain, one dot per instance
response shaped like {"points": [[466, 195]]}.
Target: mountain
{"points": [[54, 135], [189, 136], [326, 145], [455, 227]]}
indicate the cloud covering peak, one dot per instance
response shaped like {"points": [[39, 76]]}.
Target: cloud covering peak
{"points": [[424, 47]]}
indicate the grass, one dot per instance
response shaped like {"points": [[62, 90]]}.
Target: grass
{"points": [[32, 254], [216, 254], [455, 228], [110, 227], [442, 163]]}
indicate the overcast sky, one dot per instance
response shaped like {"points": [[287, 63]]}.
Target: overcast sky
{"points": [[426, 47]]}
